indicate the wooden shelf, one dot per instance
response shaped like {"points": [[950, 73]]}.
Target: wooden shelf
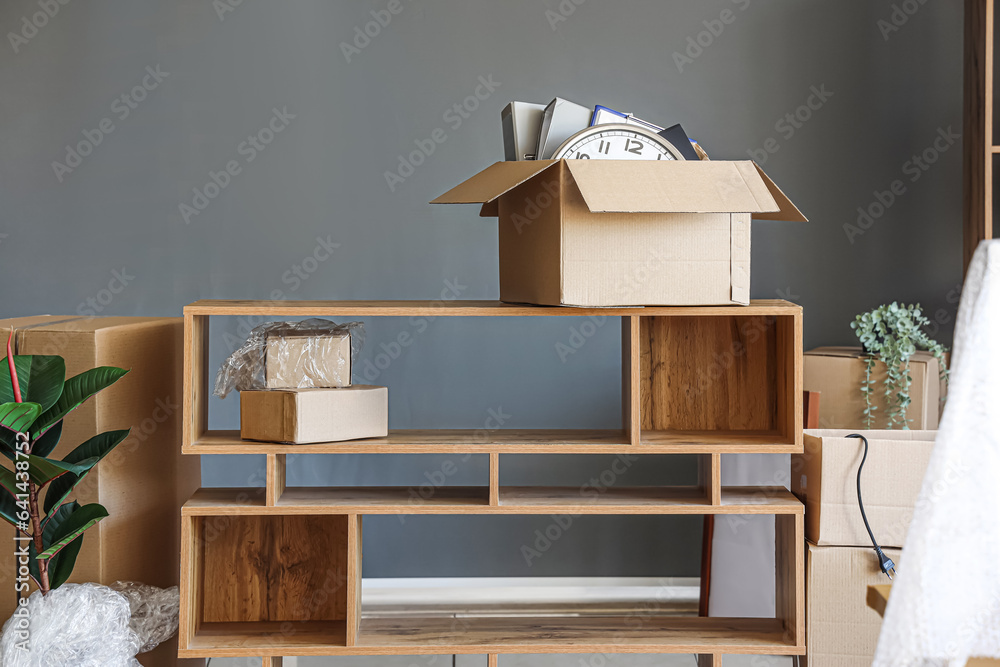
{"points": [[510, 441], [276, 571], [464, 309], [408, 635], [476, 500]]}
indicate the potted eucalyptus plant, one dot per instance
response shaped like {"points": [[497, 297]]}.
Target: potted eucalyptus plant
{"points": [[891, 334]]}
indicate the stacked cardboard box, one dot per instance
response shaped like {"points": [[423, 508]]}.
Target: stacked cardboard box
{"points": [[145, 480], [841, 630], [837, 373], [309, 395]]}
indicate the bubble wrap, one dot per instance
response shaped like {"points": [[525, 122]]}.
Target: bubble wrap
{"points": [[76, 625], [155, 612], [308, 360]]}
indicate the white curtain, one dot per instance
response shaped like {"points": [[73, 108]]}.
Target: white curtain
{"points": [[945, 602]]}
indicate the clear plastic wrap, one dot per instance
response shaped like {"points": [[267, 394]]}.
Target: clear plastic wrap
{"points": [[76, 625], [306, 354], [155, 612]]}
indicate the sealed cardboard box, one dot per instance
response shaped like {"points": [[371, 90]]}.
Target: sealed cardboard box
{"points": [[841, 630], [624, 233], [308, 360], [837, 373], [301, 416], [145, 480], [824, 477]]}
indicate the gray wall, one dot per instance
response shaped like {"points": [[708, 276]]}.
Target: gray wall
{"points": [[109, 236]]}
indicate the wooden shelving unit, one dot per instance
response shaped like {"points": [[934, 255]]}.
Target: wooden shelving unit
{"points": [[979, 151], [276, 571]]}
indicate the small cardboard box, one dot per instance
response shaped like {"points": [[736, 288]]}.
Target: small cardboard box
{"points": [[301, 416], [145, 480], [299, 361], [837, 373], [824, 477], [841, 629], [624, 233]]}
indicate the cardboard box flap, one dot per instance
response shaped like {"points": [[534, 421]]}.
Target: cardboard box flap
{"points": [[850, 352], [486, 186], [787, 211], [642, 186]]}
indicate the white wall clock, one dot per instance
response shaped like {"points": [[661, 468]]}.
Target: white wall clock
{"points": [[617, 142]]}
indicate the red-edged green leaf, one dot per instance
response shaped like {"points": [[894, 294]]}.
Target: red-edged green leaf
{"points": [[75, 391], [42, 470], [8, 496], [18, 416], [73, 527], [45, 443], [41, 378], [89, 453], [48, 536]]}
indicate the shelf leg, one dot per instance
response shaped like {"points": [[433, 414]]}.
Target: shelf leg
{"points": [[275, 480], [709, 660], [494, 479], [271, 662], [493, 660]]}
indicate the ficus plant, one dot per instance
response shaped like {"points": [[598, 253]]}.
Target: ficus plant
{"points": [[891, 334], [35, 399]]}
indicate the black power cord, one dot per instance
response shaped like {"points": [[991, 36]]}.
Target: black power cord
{"points": [[884, 562]]}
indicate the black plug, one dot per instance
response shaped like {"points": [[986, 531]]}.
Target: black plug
{"points": [[884, 562]]}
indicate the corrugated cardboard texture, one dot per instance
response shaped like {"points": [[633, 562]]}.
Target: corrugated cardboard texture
{"points": [[824, 477], [838, 373], [145, 480], [841, 630], [623, 233], [301, 416], [308, 361]]}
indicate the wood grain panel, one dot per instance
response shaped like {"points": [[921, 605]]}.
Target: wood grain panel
{"points": [[271, 568], [708, 373], [977, 134], [709, 660], [631, 417], [194, 408], [789, 580], [354, 568], [462, 309], [274, 661], [275, 478]]}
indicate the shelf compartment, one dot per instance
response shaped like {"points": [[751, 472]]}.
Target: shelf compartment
{"points": [[475, 500], [511, 441], [266, 638], [246, 577], [729, 379]]}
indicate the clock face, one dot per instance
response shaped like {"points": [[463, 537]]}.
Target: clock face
{"points": [[616, 142]]}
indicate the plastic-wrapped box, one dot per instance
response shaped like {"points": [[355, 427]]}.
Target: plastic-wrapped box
{"points": [[310, 354], [307, 360]]}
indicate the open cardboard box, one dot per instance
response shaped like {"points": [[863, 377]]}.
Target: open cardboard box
{"points": [[624, 233]]}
